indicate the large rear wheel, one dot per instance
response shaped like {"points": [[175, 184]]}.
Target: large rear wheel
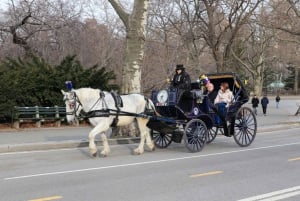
{"points": [[245, 127], [195, 135]]}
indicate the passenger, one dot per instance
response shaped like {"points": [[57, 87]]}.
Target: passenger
{"points": [[223, 99], [181, 81], [224, 94], [211, 93]]}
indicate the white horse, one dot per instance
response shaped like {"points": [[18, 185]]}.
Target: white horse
{"points": [[88, 100]]}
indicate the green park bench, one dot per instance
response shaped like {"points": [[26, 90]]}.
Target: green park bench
{"points": [[38, 115]]}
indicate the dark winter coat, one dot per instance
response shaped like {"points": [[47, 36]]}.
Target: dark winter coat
{"points": [[181, 81], [277, 99], [255, 102], [264, 101]]}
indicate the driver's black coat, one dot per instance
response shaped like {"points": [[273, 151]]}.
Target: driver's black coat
{"points": [[181, 81]]}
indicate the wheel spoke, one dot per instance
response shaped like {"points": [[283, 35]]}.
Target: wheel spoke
{"points": [[245, 127], [195, 135], [162, 140]]}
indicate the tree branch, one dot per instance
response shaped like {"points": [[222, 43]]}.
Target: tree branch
{"points": [[120, 11]]}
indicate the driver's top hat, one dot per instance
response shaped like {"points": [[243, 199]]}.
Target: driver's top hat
{"points": [[180, 67]]}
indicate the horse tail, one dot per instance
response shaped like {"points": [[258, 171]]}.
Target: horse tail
{"points": [[150, 106]]}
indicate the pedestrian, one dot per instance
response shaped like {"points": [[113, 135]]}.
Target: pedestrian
{"points": [[264, 103], [277, 101], [255, 102]]}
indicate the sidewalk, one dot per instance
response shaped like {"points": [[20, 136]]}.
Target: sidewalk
{"points": [[12, 140]]}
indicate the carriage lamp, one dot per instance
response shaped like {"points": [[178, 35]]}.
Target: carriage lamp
{"points": [[203, 79], [69, 85], [162, 97]]}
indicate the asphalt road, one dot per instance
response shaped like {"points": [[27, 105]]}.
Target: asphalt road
{"points": [[267, 170]]}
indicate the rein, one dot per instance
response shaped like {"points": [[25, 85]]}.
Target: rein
{"points": [[105, 111]]}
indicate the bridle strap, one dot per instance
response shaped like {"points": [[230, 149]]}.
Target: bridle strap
{"points": [[76, 105]]}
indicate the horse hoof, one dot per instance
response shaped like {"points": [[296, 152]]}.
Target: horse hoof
{"points": [[94, 154], [104, 153], [137, 152]]}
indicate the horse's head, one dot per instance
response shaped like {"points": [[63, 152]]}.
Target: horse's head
{"points": [[73, 105]]}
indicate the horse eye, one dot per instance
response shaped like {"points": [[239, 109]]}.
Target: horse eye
{"points": [[72, 105]]}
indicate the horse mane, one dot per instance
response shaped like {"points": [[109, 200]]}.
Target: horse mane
{"points": [[87, 94]]}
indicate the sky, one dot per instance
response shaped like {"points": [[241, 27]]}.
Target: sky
{"points": [[3, 5]]}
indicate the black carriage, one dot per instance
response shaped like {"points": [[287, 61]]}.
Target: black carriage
{"points": [[192, 117]]}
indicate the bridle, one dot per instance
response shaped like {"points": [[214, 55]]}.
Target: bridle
{"points": [[74, 103]]}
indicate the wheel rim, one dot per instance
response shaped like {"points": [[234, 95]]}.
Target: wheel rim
{"points": [[162, 140], [245, 127], [195, 135]]}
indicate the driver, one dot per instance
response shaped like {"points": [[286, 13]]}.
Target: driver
{"points": [[181, 81]]}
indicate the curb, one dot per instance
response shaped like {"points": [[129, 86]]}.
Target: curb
{"points": [[281, 126], [39, 146]]}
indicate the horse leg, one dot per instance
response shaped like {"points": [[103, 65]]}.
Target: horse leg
{"points": [[149, 141], [145, 135], [106, 148], [100, 128]]}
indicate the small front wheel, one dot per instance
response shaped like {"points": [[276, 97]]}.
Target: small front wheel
{"points": [[161, 140], [195, 135]]}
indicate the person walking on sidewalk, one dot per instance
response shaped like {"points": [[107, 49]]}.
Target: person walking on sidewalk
{"points": [[264, 103], [255, 102], [277, 101]]}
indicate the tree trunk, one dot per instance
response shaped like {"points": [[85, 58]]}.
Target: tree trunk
{"points": [[258, 84], [131, 74], [218, 56], [135, 24]]}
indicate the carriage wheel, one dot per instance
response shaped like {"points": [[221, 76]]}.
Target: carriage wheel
{"points": [[195, 135], [212, 133], [245, 127], [161, 140]]}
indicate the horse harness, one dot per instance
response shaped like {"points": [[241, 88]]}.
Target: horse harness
{"points": [[106, 112], [118, 103]]}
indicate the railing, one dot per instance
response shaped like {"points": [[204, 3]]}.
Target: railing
{"points": [[298, 110], [38, 115]]}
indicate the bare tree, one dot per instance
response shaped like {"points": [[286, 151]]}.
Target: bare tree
{"points": [[285, 18], [26, 19], [135, 23], [253, 55], [220, 22]]}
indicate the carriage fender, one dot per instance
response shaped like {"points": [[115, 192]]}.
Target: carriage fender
{"points": [[207, 120]]}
